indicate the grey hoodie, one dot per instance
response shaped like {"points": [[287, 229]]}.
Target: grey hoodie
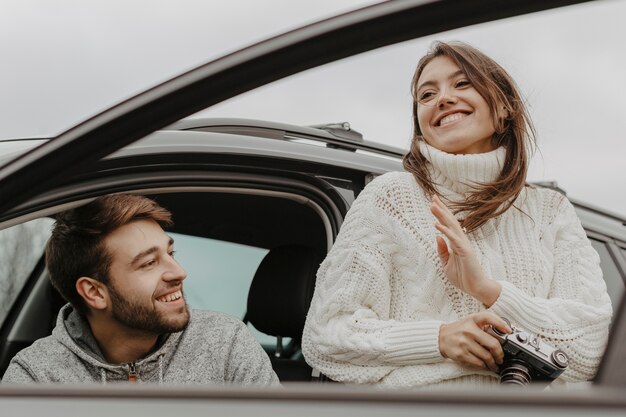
{"points": [[214, 348]]}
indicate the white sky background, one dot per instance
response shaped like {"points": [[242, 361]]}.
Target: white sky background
{"points": [[61, 61]]}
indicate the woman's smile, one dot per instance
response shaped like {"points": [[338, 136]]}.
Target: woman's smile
{"points": [[451, 118]]}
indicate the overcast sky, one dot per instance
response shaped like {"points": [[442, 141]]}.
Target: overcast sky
{"points": [[63, 61]]}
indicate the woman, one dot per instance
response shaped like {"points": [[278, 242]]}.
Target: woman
{"points": [[427, 260]]}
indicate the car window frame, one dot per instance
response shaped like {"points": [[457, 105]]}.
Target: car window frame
{"points": [[276, 58]]}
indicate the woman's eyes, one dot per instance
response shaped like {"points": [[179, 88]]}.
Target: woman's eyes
{"points": [[428, 95]]}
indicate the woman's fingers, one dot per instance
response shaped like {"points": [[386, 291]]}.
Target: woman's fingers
{"points": [[501, 325], [483, 358], [442, 250], [445, 230], [467, 343], [447, 223], [493, 353], [443, 213], [487, 318], [456, 237]]}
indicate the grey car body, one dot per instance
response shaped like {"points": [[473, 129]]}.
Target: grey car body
{"points": [[300, 181]]}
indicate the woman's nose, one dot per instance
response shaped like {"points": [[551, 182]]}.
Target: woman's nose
{"points": [[445, 98]]}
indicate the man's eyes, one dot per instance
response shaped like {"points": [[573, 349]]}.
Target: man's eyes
{"points": [[151, 262], [148, 264]]}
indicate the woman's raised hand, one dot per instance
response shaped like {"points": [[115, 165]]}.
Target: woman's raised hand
{"points": [[459, 261], [467, 342]]}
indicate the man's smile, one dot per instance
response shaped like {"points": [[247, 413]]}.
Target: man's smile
{"points": [[176, 295]]}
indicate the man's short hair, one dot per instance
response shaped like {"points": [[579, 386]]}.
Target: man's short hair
{"points": [[76, 247]]}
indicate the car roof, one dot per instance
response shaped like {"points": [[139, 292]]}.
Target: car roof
{"points": [[323, 144], [340, 135]]}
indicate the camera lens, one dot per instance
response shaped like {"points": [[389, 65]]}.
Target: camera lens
{"points": [[515, 372]]}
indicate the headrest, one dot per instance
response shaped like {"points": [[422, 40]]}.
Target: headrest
{"points": [[281, 290]]}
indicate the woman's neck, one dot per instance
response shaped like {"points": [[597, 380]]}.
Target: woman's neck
{"points": [[460, 174]]}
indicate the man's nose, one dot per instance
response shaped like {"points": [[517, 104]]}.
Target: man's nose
{"points": [[174, 271]]}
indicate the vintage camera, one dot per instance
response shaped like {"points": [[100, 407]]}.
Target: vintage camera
{"points": [[527, 358]]}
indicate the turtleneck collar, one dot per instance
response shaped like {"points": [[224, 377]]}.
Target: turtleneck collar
{"points": [[460, 174]]}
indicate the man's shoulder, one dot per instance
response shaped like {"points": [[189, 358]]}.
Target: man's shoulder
{"points": [[203, 317], [47, 347], [222, 349], [209, 323], [221, 332], [35, 360]]}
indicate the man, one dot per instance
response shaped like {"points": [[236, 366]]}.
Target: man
{"points": [[127, 319]]}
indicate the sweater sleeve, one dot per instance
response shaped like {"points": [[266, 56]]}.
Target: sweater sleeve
{"points": [[17, 373], [247, 362], [349, 333], [575, 316]]}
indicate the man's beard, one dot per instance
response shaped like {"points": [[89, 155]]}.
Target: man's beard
{"points": [[136, 315]]}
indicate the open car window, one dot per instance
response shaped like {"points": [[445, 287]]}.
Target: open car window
{"points": [[219, 274]]}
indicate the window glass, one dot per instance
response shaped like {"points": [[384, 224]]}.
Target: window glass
{"points": [[21, 247], [219, 275], [612, 277]]}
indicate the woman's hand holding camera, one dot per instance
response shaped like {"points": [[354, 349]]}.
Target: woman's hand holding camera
{"points": [[466, 341], [459, 261]]}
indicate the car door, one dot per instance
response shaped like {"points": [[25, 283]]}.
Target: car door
{"points": [[54, 163]]}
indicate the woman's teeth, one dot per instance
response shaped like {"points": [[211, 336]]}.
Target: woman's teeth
{"points": [[451, 118]]}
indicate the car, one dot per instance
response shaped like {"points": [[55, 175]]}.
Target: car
{"points": [[256, 206]]}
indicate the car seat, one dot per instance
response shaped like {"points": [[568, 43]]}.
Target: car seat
{"points": [[278, 301]]}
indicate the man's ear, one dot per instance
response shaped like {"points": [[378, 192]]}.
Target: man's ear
{"points": [[93, 292]]}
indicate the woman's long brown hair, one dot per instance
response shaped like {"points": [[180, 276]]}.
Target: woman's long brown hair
{"points": [[513, 130]]}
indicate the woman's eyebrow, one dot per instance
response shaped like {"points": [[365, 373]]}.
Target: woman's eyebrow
{"points": [[451, 76]]}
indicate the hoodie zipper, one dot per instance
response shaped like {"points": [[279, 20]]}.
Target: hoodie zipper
{"points": [[132, 372]]}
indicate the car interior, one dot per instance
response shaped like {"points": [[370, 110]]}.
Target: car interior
{"points": [[290, 231]]}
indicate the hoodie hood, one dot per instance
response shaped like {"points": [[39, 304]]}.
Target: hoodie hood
{"points": [[73, 331]]}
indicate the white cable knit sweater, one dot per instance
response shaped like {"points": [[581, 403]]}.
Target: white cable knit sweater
{"points": [[381, 294]]}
